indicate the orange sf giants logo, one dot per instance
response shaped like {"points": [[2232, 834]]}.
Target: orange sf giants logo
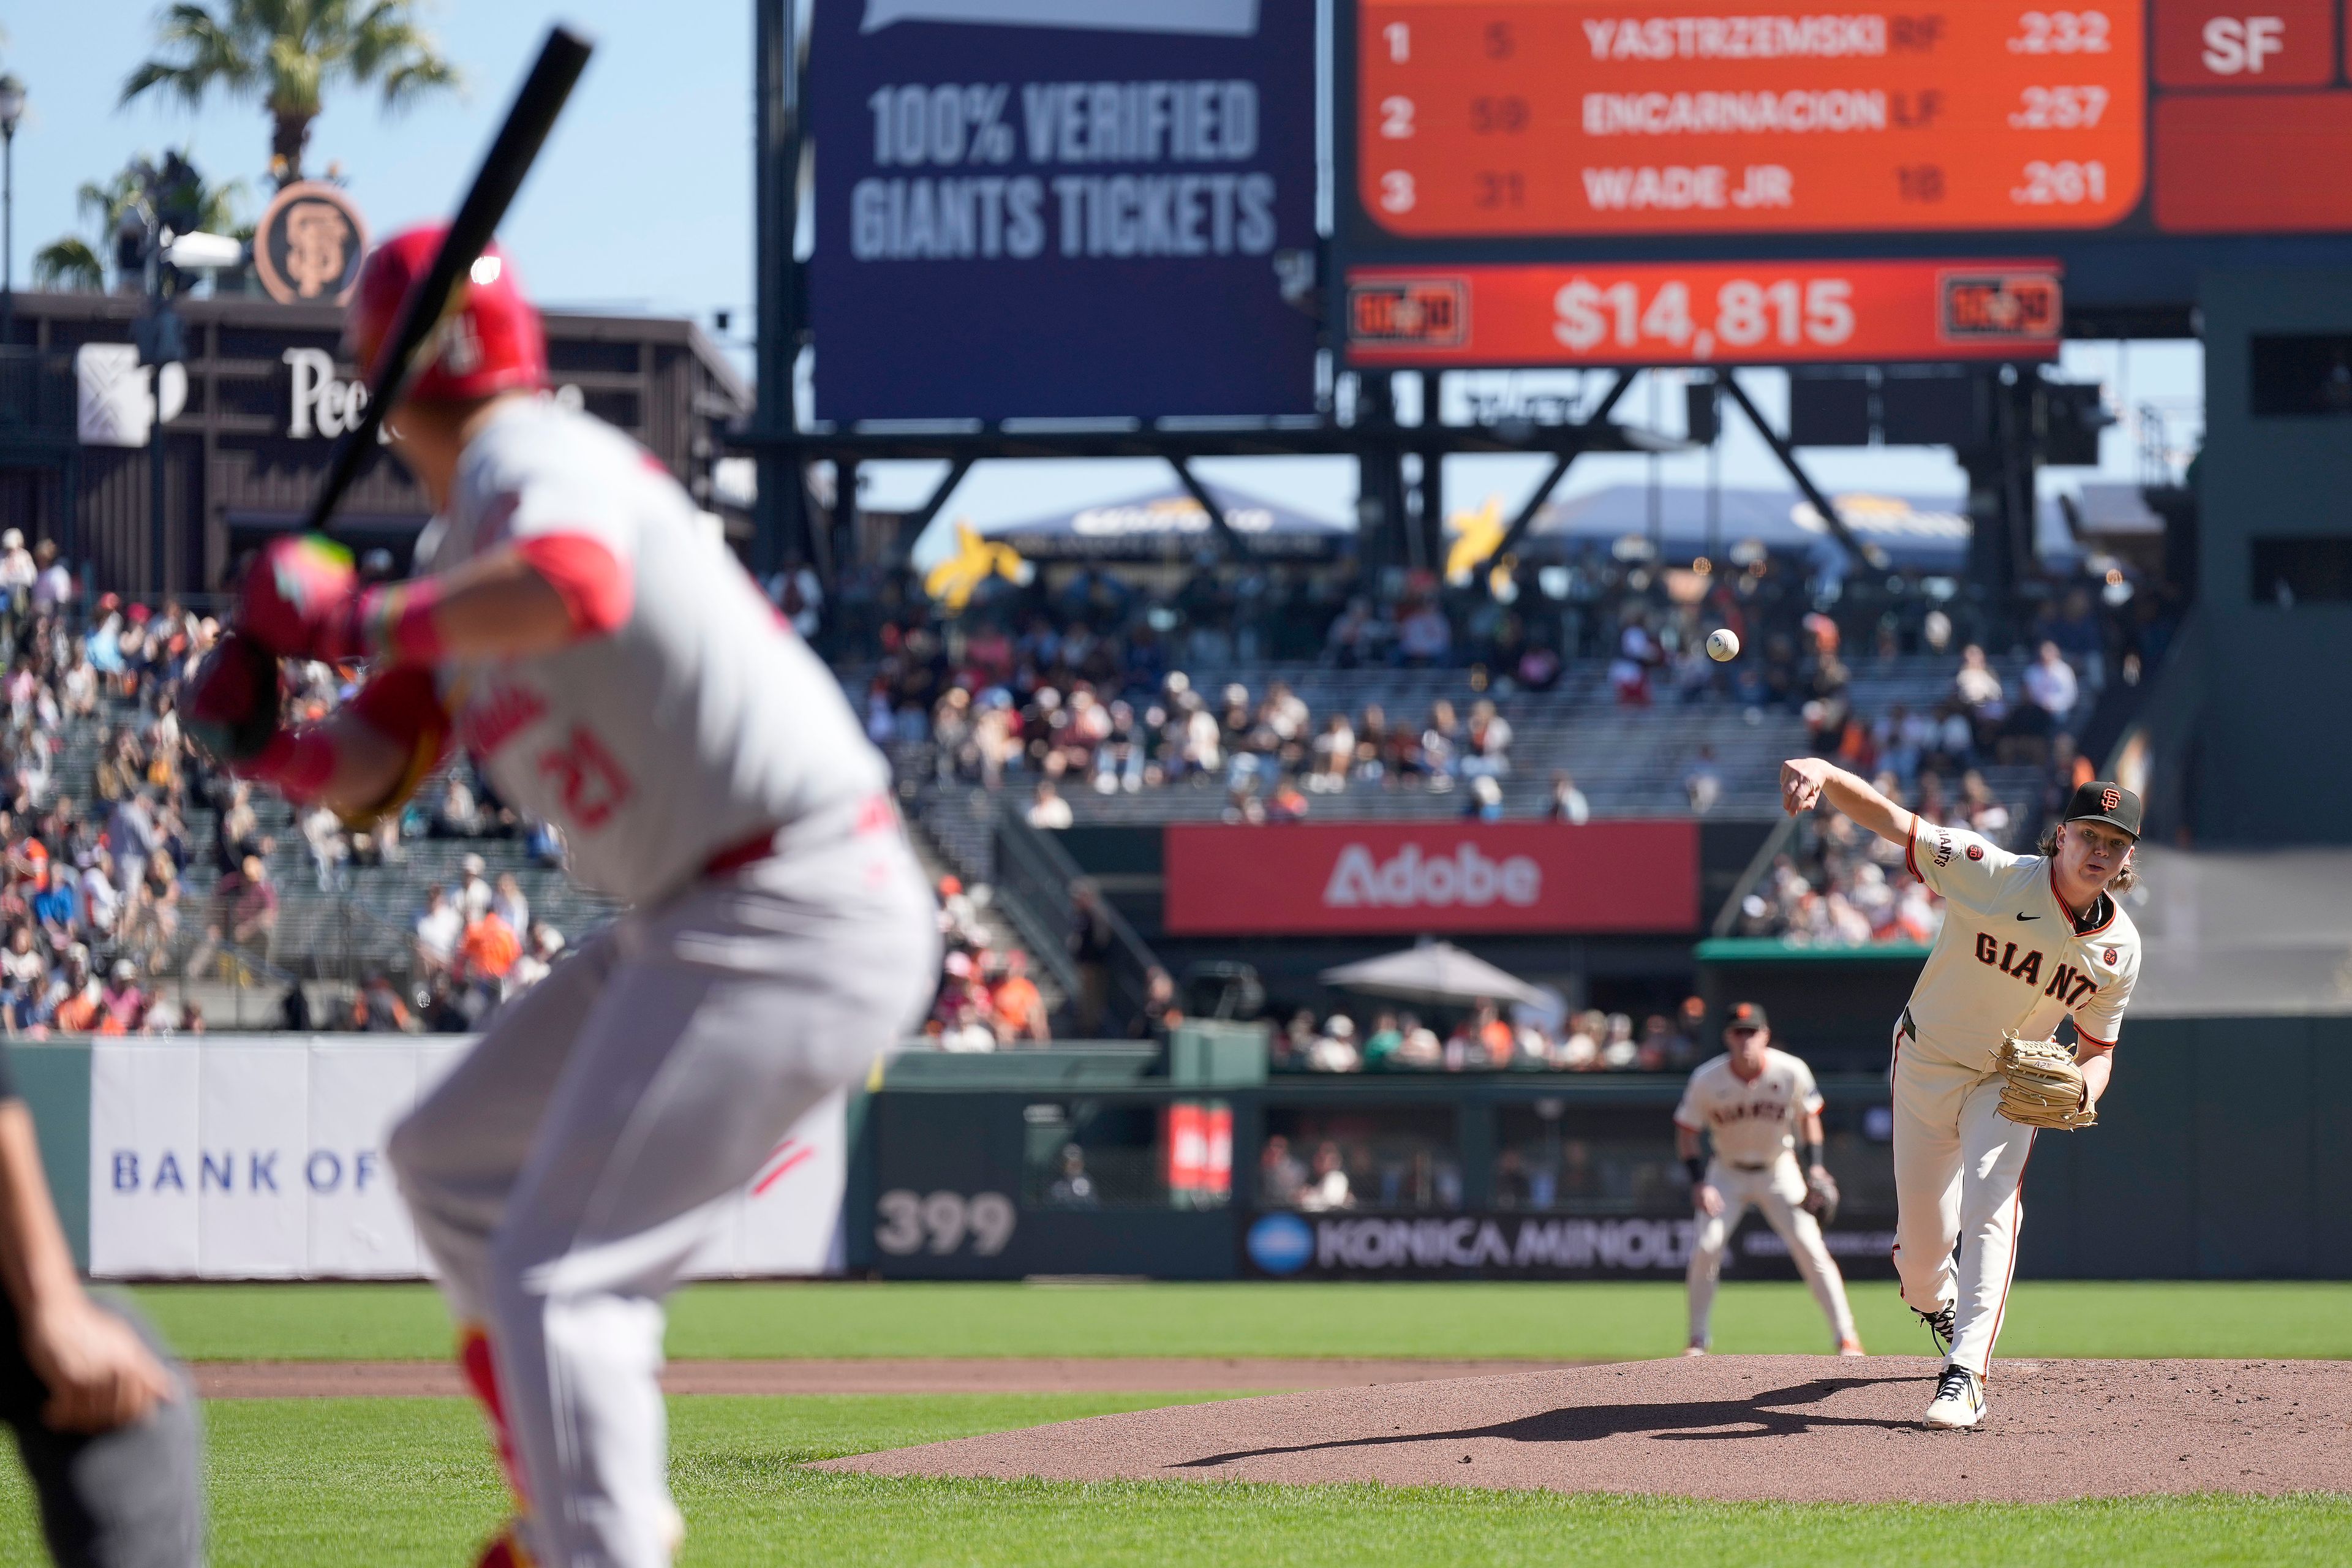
{"points": [[309, 244], [2021, 307], [1416, 313], [2111, 799]]}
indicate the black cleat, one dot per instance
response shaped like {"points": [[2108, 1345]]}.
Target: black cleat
{"points": [[1940, 1328]]}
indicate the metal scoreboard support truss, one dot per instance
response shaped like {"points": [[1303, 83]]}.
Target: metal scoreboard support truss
{"points": [[1594, 184], [1401, 515]]}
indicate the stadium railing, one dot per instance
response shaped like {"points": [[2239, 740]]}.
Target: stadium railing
{"points": [[1036, 887]]}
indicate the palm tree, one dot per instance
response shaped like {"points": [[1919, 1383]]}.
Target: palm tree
{"points": [[72, 262], [285, 52]]}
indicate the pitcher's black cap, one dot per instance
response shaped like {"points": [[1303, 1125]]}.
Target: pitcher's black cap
{"points": [[2100, 801], [1747, 1016]]}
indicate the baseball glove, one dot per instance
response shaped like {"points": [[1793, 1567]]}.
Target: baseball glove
{"points": [[233, 700], [1821, 1195], [2041, 1085]]}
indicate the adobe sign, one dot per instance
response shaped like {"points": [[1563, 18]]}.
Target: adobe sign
{"points": [[1405, 878]]}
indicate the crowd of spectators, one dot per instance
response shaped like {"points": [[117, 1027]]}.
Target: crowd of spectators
{"points": [[475, 945], [987, 999], [91, 896], [1840, 886], [1483, 1039], [1093, 683], [110, 900], [1264, 750]]}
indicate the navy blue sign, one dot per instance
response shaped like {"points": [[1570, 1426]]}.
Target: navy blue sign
{"points": [[1048, 208]]}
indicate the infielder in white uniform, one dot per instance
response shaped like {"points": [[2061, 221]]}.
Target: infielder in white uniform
{"points": [[1752, 1102], [614, 672], [2028, 940]]}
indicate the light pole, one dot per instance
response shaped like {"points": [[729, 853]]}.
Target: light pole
{"points": [[12, 109]]}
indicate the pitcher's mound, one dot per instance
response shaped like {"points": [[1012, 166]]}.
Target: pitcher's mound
{"points": [[1798, 1428]]}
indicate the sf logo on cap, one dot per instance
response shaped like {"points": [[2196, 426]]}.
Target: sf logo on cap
{"points": [[2111, 799]]}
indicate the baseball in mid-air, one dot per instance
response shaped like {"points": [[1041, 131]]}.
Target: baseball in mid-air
{"points": [[1723, 645]]}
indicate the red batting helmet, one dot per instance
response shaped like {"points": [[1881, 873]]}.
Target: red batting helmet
{"points": [[489, 339]]}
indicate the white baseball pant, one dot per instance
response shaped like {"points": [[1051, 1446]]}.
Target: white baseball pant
{"points": [[1960, 1178], [1777, 1190], [564, 1173]]}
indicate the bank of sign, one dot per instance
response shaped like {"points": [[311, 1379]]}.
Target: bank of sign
{"points": [[1438, 876], [264, 1158]]}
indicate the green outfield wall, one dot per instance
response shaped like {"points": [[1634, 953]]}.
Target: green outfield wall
{"points": [[2214, 1158], [2211, 1160]]}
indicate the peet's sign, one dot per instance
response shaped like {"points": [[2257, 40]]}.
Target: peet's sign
{"points": [[323, 402], [1403, 879]]}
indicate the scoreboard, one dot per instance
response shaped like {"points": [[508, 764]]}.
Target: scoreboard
{"points": [[1572, 118], [2124, 142]]}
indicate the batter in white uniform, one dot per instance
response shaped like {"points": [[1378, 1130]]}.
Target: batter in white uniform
{"points": [[614, 672], [1752, 1102], [2028, 941]]}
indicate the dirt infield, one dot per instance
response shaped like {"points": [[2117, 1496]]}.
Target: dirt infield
{"points": [[1061, 1374], [1796, 1428]]}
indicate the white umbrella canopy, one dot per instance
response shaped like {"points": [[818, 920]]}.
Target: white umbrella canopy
{"points": [[1435, 972]]}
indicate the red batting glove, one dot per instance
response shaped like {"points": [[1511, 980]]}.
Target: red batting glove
{"points": [[301, 600], [299, 763]]}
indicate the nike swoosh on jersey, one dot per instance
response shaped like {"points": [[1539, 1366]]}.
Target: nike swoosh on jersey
{"points": [[2029, 917]]}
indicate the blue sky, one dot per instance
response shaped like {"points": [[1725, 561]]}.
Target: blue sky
{"points": [[643, 203]]}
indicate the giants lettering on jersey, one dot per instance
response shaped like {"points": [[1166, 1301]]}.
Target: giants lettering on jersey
{"points": [[2069, 985], [1749, 1111]]}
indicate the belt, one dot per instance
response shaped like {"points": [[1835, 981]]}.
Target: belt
{"points": [[1737, 1166], [1907, 1026], [749, 850], [872, 815]]}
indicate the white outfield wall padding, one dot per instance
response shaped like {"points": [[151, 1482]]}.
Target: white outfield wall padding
{"points": [[261, 1157]]}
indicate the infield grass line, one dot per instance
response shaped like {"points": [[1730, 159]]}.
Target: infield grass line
{"points": [[410, 1483], [1601, 1322]]}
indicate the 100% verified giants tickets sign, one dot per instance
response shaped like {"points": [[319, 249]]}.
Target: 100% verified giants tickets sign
{"points": [[1027, 209]]}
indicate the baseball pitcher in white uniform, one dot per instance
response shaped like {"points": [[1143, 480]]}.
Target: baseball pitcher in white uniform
{"points": [[615, 672], [2028, 941], [1753, 1102]]}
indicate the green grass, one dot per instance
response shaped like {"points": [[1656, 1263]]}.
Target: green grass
{"points": [[410, 1481], [1601, 1322]]}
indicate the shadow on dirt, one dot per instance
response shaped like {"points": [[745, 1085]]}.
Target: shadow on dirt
{"points": [[1764, 1414]]}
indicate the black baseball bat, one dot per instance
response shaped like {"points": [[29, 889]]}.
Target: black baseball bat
{"points": [[529, 119]]}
